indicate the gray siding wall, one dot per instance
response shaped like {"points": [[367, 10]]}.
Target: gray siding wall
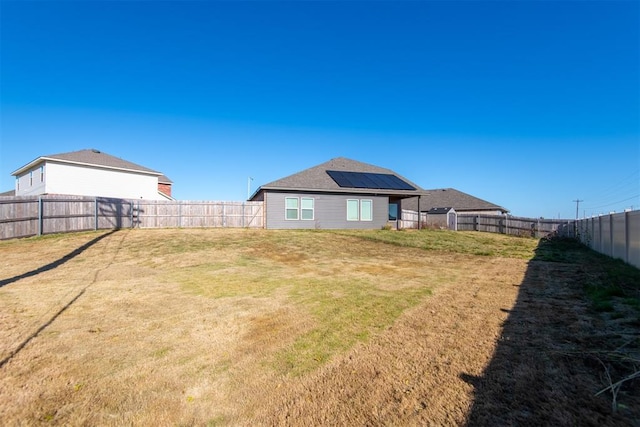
{"points": [[330, 212]]}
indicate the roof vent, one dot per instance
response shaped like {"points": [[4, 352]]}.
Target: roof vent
{"points": [[95, 151]]}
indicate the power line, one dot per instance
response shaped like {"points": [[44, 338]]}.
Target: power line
{"points": [[631, 178], [621, 189], [616, 193], [614, 203]]}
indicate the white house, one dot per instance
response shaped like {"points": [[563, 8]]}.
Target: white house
{"points": [[90, 173]]}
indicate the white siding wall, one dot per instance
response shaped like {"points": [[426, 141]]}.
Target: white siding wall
{"points": [[90, 181], [29, 183]]}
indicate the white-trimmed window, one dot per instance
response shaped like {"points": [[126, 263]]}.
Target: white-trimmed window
{"points": [[366, 210], [42, 173], [31, 178], [359, 210], [306, 208], [291, 205], [17, 183], [353, 210]]}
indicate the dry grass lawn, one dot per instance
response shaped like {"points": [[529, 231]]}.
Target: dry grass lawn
{"points": [[258, 327]]}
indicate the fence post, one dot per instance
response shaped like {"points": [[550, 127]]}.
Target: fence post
{"points": [[95, 213], [243, 214], [40, 220], [611, 235], [475, 222], [131, 211], [626, 238]]}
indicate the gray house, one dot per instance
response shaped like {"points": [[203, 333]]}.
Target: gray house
{"points": [[338, 194]]}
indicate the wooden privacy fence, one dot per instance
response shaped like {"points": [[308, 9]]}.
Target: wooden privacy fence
{"points": [[30, 216], [505, 224], [410, 219], [161, 214]]}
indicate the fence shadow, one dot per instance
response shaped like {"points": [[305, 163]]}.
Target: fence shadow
{"points": [[538, 374], [57, 262], [114, 213]]}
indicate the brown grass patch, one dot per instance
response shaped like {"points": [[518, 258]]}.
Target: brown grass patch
{"points": [[256, 327]]}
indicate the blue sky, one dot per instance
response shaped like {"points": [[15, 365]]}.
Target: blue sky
{"points": [[527, 104]]}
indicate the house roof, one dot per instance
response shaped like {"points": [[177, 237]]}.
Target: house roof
{"points": [[316, 179], [90, 157], [449, 197], [163, 179], [10, 193], [440, 211]]}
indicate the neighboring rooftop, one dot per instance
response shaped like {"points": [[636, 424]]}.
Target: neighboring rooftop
{"points": [[91, 157], [450, 197]]}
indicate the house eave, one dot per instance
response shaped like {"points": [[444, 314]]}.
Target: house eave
{"points": [[45, 159]]}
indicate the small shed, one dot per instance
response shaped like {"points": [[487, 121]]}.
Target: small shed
{"points": [[443, 218]]}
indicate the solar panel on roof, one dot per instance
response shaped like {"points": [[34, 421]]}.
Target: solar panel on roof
{"points": [[378, 181]]}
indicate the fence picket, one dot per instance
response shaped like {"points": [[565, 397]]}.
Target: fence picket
{"points": [[30, 216]]}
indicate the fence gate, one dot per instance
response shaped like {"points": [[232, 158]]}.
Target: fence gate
{"points": [[452, 221]]}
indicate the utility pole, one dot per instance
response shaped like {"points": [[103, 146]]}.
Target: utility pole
{"points": [[577, 206], [249, 179]]}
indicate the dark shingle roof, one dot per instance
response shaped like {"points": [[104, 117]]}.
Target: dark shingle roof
{"points": [[449, 197], [10, 193], [439, 211], [91, 157], [317, 179]]}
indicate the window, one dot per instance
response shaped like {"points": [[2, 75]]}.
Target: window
{"points": [[359, 210], [291, 207], [41, 173], [17, 184], [306, 208], [366, 210], [393, 211], [31, 178], [353, 213]]}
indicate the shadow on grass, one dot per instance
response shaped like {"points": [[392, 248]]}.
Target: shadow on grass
{"points": [[42, 269], [56, 263], [550, 359]]}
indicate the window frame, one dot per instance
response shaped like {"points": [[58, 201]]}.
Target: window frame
{"points": [[357, 208], [287, 209], [30, 178], [370, 210], [42, 173], [303, 209], [397, 208]]}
